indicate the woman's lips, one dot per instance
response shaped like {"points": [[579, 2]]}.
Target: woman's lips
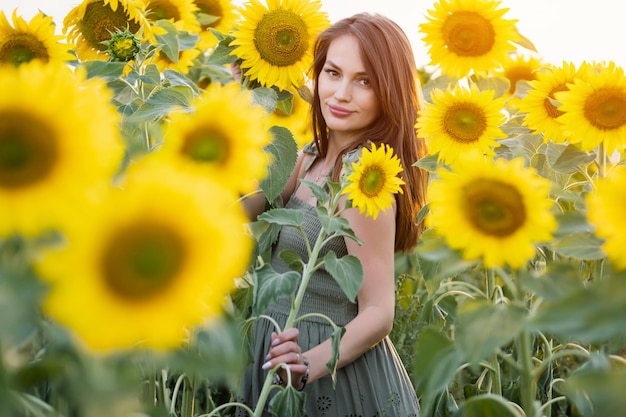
{"points": [[339, 111]]}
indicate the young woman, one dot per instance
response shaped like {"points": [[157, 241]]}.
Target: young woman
{"points": [[365, 92]]}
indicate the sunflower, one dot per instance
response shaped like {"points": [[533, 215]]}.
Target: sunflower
{"points": [[374, 180], [460, 120], [468, 35], [51, 162], [94, 21], [538, 105], [275, 42], [297, 121], [594, 108], [139, 275], [221, 16], [224, 137], [605, 210], [182, 13], [491, 210], [520, 67], [24, 41]]}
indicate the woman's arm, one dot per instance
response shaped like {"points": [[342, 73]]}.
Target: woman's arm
{"points": [[376, 300]]}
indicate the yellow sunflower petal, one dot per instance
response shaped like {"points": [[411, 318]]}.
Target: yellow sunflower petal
{"points": [[494, 211], [36, 39], [468, 35], [605, 210], [50, 160], [275, 42], [374, 180], [141, 276], [459, 121]]}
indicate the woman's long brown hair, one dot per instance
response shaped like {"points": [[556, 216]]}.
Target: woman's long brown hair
{"points": [[389, 62]]}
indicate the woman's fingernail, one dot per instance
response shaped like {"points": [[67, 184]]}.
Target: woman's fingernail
{"points": [[266, 365], [268, 357], [275, 341]]}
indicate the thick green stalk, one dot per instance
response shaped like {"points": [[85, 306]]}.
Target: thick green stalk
{"points": [[527, 388]]}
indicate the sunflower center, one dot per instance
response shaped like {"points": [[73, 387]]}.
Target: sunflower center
{"points": [[141, 260], [551, 109], [206, 146], [22, 47], [100, 21], [468, 34], [465, 122], [606, 109], [27, 153], [163, 9], [212, 8], [281, 38], [372, 181], [494, 208]]}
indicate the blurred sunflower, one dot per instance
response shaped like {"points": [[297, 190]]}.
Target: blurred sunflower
{"points": [[538, 105], [605, 210], [224, 137], [297, 121], [491, 210], [374, 180], [460, 120], [182, 13], [468, 35], [520, 67], [219, 15], [25, 41], [594, 108], [138, 275], [51, 163], [275, 42], [93, 22]]}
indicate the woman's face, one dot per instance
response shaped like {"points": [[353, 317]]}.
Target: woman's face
{"points": [[347, 99]]}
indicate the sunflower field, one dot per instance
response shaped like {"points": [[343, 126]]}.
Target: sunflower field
{"points": [[130, 273]]}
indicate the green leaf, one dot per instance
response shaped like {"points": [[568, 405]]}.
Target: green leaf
{"points": [[292, 259], [581, 246], [590, 314], [428, 163], [318, 191], [283, 217], [436, 360], [270, 285], [486, 405], [572, 222], [265, 97], [482, 327], [335, 340], [168, 41], [288, 402], [336, 225], [151, 76], [222, 53], [106, 70], [567, 158], [176, 78], [265, 234], [558, 280], [499, 84], [284, 152], [347, 271]]}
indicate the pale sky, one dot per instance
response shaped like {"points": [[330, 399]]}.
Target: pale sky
{"points": [[561, 30]]}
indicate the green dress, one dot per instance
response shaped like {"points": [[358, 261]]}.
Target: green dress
{"points": [[376, 384]]}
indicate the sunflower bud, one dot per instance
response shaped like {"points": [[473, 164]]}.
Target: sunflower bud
{"points": [[123, 46]]}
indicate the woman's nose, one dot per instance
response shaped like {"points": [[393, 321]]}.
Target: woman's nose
{"points": [[343, 91]]}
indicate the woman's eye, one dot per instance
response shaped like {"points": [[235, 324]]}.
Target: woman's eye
{"points": [[331, 72]]}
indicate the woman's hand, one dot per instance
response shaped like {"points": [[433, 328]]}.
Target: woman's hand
{"points": [[285, 349]]}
